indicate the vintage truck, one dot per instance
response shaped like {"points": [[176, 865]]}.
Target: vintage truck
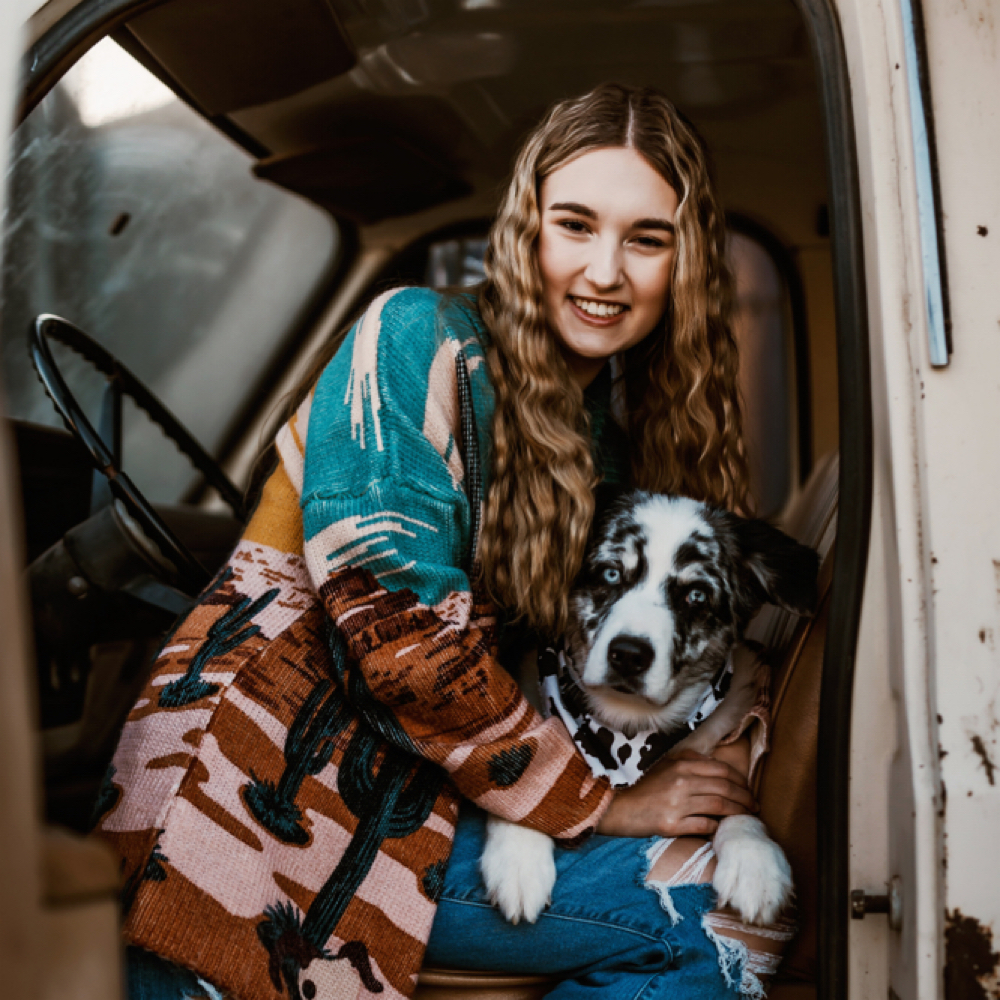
{"points": [[209, 189]]}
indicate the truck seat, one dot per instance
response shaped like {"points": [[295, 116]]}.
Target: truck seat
{"points": [[785, 784]]}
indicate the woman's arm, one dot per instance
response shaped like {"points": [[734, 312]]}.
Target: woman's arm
{"points": [[684, 795], [387, 526]]}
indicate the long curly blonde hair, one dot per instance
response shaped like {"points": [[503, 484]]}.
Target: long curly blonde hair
{"points": [[680, 382]]}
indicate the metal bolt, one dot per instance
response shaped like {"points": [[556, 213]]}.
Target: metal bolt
{"points": [[862, 904], [77, 586], [890, 904]]}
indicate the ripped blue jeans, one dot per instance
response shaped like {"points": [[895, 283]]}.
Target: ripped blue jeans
{"points": [[608, 933]]}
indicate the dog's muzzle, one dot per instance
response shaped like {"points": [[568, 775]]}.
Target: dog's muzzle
{"points": [[629, 657]]}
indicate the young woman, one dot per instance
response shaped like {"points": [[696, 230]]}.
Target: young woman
{"points": [[286, 792]]}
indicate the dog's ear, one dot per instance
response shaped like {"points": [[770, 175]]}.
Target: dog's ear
{"points": [[779, 570]]}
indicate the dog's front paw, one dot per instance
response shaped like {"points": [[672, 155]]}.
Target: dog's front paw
{"points": [[753, 875], [519, 870]]}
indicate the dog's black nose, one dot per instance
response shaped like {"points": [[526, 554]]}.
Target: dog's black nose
{"points": [[629, 656]]}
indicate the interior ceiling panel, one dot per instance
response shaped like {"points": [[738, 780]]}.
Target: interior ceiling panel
{"points": [[456, 83], [229, 54], [716, 58]]}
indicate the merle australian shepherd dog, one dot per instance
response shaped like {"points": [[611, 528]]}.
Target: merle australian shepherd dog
{"points": [[668, 588]]}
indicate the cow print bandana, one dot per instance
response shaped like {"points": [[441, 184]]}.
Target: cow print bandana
{"points": [[622, 759]]}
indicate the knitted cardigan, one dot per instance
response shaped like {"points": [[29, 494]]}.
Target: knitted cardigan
{"points": [[285, 791]]}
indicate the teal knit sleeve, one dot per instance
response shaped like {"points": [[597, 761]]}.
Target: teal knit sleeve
{"points": [[388, 531], [383, 482]]}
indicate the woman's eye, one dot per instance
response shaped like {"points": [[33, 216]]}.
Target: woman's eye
{"points": [[650, 242], [612, 575], [574, 225], [695, 596]]}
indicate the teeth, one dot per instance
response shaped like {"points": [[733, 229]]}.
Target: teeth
{"points": [[598, 309]]}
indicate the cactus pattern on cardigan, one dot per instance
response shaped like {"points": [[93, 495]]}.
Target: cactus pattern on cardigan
{"points": [[285, 790]]}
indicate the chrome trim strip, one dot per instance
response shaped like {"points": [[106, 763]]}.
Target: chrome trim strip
{"points": [[926, 209]]}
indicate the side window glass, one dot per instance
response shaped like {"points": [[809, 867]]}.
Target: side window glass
{"points": [[133, 218], [763, 332], [456, 263]]}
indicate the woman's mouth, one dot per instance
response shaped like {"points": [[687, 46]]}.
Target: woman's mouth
{"points": [[596, 310]]}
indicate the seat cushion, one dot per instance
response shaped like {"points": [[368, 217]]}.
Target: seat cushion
{"points": [[786, 782], [449, 984], [452, 984]]}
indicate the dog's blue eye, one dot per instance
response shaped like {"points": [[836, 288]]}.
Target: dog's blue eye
{"points": [[612, 575], [696, 596]]}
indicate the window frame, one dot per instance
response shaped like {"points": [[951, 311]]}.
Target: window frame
{"points": [[855, 496]]}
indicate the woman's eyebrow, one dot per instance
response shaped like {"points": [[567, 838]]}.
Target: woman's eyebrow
{"points": [[654, 224], [572, 206]]}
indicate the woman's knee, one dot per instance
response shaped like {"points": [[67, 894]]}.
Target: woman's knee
{"points": [[684, 860]]}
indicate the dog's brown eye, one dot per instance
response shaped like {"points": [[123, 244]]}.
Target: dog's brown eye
{"points": [[612, 575], [696, 596]]}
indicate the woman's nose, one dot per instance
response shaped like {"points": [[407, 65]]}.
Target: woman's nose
{"points": [[604, 268]]}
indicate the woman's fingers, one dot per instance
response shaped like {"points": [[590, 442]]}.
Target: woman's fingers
{"points": [[681, 784], [722, 789], [680, 797], [694, 826], [691, 763], [714, 805]]}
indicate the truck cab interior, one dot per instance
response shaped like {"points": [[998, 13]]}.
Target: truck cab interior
{"points": [[204, 193]]}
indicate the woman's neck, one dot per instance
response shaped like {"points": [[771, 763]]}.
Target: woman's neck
{"points": [[583, 370]]}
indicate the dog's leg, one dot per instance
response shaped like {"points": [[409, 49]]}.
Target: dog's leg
{"points": [[753, 875], [519, 869]]}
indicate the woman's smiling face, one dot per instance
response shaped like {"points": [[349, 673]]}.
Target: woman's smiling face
{"points": [[606, 254]]}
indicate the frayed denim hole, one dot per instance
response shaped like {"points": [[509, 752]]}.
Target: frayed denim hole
{"points": [[693, 899], [734, 964], [649, 850], [652, 850], [700, 897]]}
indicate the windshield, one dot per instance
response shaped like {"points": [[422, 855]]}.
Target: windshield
{"points": [[133, 218]]}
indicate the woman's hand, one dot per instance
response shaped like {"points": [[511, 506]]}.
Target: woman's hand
{"points": [[683, 796]]}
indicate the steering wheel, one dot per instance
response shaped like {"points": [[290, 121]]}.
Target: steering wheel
{"points": [[107, 454]]}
